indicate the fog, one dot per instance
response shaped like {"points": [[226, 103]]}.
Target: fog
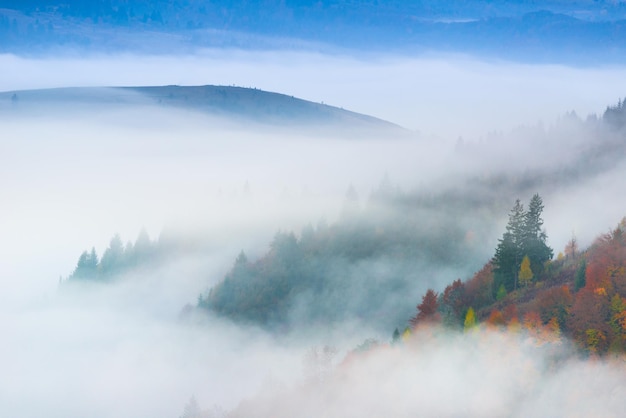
{"points": [[480, 374], [72, 177]]}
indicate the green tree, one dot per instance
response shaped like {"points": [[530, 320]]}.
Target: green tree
{"points": [[395, 339], [87, 266], [525, 272], [509, 251], [533, 239], [501, 294], [113, 257]]}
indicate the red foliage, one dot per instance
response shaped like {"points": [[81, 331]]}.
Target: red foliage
{"points": [[606, 263], [427, 310], [478, 292], [454, 299], [554, 302], [590, 311]]}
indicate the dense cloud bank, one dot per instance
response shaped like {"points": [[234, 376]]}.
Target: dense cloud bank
{"points": [[477, 374]]}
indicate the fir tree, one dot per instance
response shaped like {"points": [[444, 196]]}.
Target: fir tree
{"points": [[509, 254], [534, 237]]}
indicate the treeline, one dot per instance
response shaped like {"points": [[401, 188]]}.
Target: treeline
{"points": [[116, 259], [580, 295], [616, 115]]}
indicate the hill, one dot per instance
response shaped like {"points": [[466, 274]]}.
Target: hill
{"points": [[226, 101]]}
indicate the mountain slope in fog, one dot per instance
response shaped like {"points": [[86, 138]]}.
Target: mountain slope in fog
{"points": [[222, 101], [372, 264], [413, 235]]}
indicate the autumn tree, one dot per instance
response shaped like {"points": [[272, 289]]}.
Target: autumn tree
{"points": [[470, 319], [571, 248], [554, 329], [525, 273], [452, 304], [427, 310], [496, 319], [554, 303], [617, 323], [588, 320], [532, 323], [477, 290], [606, 263]]}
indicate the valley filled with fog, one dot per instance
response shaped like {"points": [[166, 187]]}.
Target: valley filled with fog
{"points": [[207, 187]]}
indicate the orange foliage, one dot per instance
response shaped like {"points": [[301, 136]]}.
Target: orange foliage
{"points": [[496, 319], [532, 323], [510, 313]]}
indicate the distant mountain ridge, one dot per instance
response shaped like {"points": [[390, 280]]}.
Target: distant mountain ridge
{"points": [[229, 101], [554, 31]]}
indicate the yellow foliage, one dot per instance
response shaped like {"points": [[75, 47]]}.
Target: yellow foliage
{"points": [[406, 334], [600, 291], [525, 273], [470, 319], [594, 338]]}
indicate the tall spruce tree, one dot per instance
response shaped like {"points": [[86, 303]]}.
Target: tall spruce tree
{"points": [[523, 237], [534, 237], [509, 252]]}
